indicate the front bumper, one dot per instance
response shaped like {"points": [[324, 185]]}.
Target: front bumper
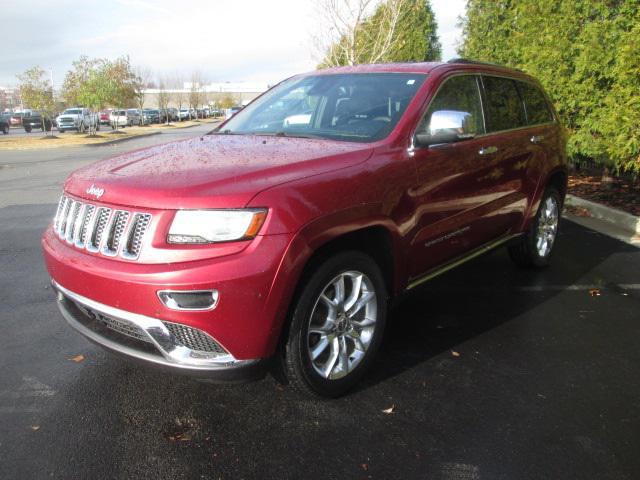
{"points": [[246, 319], [150, 340]]}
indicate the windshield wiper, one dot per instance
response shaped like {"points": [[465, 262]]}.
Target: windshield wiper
{"points": [[222, 132], [290, 135]]}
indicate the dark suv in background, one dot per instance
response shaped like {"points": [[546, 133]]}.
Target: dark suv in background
{"points": [[35, 120], [279, 241]]}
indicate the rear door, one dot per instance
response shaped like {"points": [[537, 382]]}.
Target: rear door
{"points": [[543, 134], [506, 153]]}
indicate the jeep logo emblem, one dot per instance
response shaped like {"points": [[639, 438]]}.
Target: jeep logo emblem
{"points": [[95, 191]]}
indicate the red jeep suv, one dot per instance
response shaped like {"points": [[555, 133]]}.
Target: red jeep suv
{"points": [[279, 239]]}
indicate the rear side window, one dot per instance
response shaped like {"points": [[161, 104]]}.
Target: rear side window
{"points": [[535, 104], [456, 106], [504, 107]]}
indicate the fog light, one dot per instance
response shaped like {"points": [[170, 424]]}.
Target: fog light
{"points": [[189, 299]]}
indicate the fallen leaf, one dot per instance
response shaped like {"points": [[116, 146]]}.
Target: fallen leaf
{"points": [[389, 410], [35, 428], [77, 358], [594, 292], [365, 467], [454, 353]]}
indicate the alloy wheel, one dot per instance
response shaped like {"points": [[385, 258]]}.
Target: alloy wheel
{"points": [[342, 325], [547, 226]]}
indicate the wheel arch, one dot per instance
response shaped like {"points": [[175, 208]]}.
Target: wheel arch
{"points": [[306, 251]]}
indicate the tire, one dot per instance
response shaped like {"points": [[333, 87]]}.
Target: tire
{"points": [[5, 129], [97, 127], [27, 129], [535, 247], [317, 349]]}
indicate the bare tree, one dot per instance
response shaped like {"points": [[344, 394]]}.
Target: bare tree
{"points": [[143, 78], [178, 94], [196, 95], [164, 97], [357, 31]]}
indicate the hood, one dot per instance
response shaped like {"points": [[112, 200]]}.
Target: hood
{"points": [[214, 171]]}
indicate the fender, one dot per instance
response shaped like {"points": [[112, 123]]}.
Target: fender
{"points": [[543, 181], [307, 241]]}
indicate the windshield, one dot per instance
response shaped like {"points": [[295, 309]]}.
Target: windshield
{"points": [[360, 107], [73, 111]]}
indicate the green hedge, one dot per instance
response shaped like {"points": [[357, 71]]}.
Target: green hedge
{"points": [[587, 56]]}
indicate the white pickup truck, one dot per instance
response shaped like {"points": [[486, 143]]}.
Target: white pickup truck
{"points": [[77, 118]]}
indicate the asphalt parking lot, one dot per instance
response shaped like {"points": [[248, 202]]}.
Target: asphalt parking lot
{"points": [[487, 372]]}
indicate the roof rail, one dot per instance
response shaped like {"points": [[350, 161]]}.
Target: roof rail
{"points": [[477, 62]]}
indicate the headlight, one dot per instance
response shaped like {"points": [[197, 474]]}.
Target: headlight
{"points": [[210, 226]]}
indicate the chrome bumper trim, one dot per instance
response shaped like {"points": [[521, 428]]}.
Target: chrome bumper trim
{"points": [[170, 352]]}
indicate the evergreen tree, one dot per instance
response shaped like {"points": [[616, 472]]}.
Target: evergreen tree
{"points": [[585, 52]]}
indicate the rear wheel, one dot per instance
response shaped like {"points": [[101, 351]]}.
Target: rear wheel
{"points": [[5, 129], [336, 325], [535, 247], [27, 129]]}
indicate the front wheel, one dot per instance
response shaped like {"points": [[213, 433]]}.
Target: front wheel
{"points": [[5, 129], [535, 247], [336, 326]]}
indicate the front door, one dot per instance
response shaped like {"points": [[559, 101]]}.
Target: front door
{"points": [[455, 186]]}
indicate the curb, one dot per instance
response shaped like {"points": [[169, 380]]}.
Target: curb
{"points": [[623, 220], [120, 140]]}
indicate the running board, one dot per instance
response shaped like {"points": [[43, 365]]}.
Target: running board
{"points": [[460, 260]]}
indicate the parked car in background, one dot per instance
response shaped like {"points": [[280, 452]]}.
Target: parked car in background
{"points": [[77, 118], [104, 116], [274, 245], [118, 119], [150, 115], [184, 114], [230, 112], [170, 113], [135, 116], [5, 123], [34, 120], [16, 117]]}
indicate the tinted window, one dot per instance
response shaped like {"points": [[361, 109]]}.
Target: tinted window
{"points": [[536, 105], [456, 107], [504, 108], [359, 107]]}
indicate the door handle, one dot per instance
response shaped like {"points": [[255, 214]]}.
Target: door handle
{"points": [[537, 138], [488, 150]]}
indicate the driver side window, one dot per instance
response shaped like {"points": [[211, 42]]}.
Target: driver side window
{"points": [[456, 109]]}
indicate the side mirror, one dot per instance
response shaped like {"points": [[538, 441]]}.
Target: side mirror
{"points": [[445, 126]]}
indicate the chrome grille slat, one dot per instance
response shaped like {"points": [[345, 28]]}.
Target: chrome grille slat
{"points": [[100, 229], [63, 217], [102, 218], [84, 228], [74, 209], [138, 227], [115, 231], [56, 220]]}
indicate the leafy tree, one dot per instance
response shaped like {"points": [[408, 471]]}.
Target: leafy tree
{"points": [[393, 31], [587, 55], [37, 93], [416, 39]]}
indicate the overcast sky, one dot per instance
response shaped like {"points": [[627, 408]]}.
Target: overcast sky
{"points": [[226, 40]]}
